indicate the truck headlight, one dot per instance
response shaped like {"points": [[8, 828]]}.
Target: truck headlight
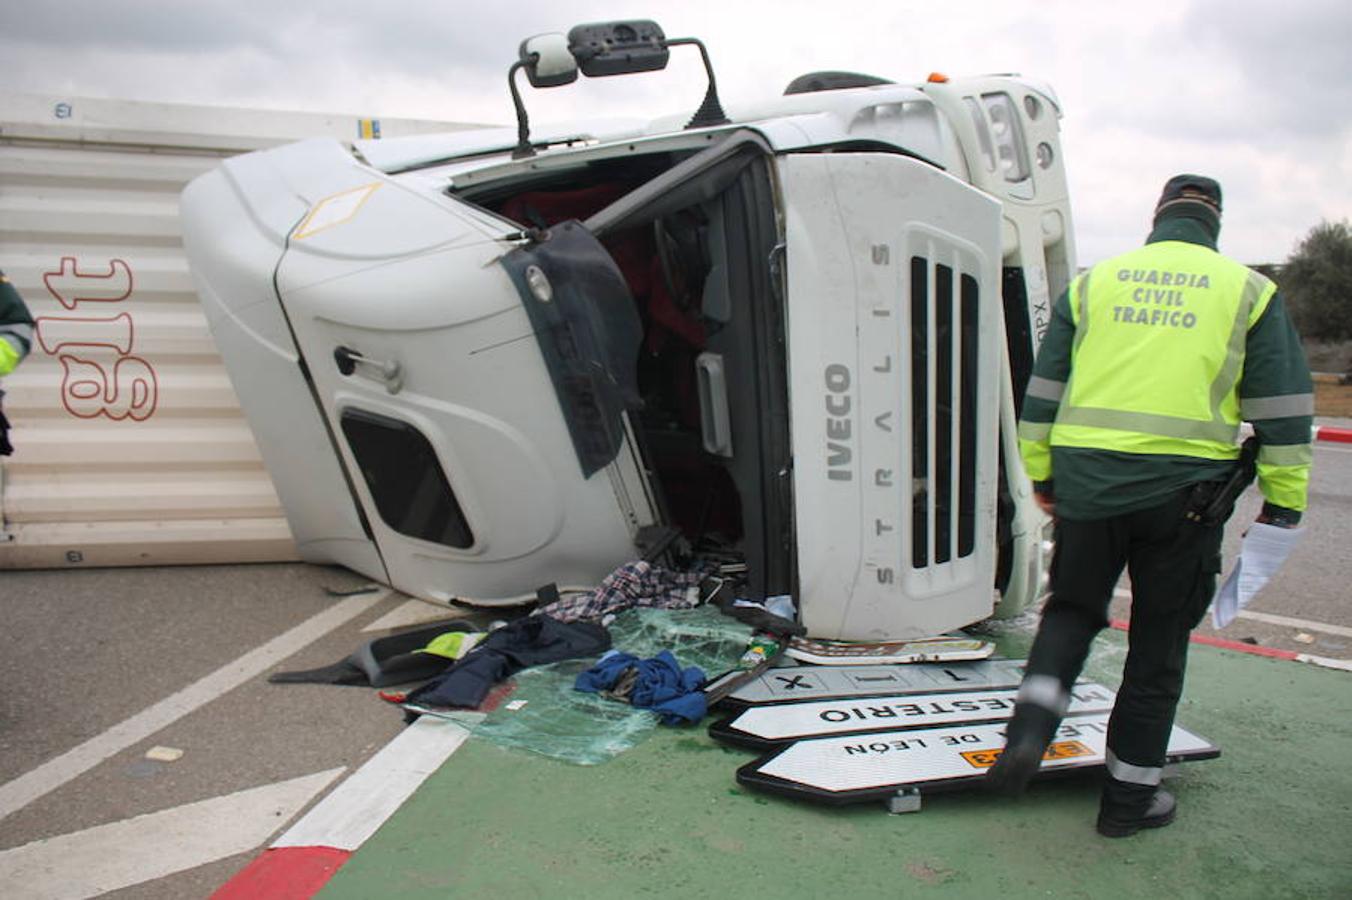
{"points": [[1007, 136]]}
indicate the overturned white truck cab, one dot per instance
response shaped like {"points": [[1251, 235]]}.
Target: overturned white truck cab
{"points": [[479, 364]]}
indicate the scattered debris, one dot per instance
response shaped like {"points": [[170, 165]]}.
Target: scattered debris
{"points": [[352, 592], [164, 754], [1304, 638]]}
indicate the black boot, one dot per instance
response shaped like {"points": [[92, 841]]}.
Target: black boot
{"points": [[1029, 733], [1116, 821]]}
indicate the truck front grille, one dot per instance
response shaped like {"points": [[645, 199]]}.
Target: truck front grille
{"points": [[943, 372]]}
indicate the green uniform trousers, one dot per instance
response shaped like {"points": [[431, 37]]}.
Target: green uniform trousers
{"points": [[1173, 565]]}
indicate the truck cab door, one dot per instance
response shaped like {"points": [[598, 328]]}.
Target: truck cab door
{"points": [[894, 357], [438, 401]]}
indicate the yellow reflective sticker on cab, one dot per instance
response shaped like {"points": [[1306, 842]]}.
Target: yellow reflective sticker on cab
{"points": [[334, 210]]}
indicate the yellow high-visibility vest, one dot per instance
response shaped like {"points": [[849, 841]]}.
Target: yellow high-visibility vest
{"points": [[9, 357], [1158, 352]]}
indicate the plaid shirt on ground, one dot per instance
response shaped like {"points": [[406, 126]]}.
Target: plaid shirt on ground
{"points": [[633, 584]]}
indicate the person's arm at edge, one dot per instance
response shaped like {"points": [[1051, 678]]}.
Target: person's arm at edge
{"points": [[16, 327], [1042, 399]]}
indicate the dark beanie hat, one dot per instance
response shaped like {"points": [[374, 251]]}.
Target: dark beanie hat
{"points": [[1191, 195]]}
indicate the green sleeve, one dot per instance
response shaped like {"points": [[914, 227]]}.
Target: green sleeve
{"points": [[1277, 397], [1042, 398]]}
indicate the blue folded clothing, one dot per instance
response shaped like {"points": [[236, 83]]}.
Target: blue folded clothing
{"points": [[659, 684]]}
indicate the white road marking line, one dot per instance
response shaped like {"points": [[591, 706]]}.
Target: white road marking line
{"points": [[1270, 619], [1327, 662], [121, 854], [54, 773], [361, 804], [1303, 624], [414, 612]]}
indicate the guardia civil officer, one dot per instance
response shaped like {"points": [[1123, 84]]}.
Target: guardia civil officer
{"points": [[1128, 429], [16, 336]]}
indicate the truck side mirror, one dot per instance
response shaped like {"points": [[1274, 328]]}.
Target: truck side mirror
{"points": [[601, 49], [619, 48], [639, 45], [548, 60]]}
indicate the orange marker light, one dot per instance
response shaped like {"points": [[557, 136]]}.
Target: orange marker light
{"points": [[937, 78]]}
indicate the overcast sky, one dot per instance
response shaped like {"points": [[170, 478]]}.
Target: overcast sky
{"points": [[1256, 94]]}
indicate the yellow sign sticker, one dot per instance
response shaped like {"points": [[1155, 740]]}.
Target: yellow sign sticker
{"points": [[984, 759]]}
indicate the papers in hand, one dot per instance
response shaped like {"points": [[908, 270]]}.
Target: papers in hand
{"points": [[1264, 550]]}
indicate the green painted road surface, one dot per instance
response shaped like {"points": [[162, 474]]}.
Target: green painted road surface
{"points": [[1271, 818]]}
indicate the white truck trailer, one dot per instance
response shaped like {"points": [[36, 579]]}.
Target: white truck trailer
{"points": [[130, 446], [483, 362]]}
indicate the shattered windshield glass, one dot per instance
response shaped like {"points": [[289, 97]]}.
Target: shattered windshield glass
{"points": [[587, 729]]}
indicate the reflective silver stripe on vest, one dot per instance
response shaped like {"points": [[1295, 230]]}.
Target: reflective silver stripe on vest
{"points": [[1035, 431], [1045, 691], [1148, 423], [1285, 454], [1045, 388], [1234, 351], [1082, 326], [1147, 775], [20, 333], [1276, 407]]}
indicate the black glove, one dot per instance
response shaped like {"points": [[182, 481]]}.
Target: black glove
{"points": [[6, 448]]}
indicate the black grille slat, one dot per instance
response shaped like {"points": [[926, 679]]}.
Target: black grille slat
{"points": [[943, 414], [968, 430], [919, 412], [943, 503]]}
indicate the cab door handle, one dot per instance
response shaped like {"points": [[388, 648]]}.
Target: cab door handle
{"points": [[387, 372], [715, 420]]}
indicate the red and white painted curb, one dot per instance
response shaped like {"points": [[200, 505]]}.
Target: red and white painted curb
{"points": [[306, 856], [1255, 649]]}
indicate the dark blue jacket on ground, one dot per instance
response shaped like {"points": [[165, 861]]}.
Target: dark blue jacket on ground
{"points": [[662, 685]]}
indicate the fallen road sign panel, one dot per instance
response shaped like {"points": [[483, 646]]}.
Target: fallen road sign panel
{"points": [[765, 727], [791, 684], [864, 767], [863, 653]]}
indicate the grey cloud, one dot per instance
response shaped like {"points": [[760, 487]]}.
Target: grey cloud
{"points": [[1292, 58], [1239, 69], [447, 34], [338, 54], [137, 25]]}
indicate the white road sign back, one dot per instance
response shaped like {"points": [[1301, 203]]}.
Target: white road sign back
{"points": [[766, 726], [862, 767], [789, 684]]}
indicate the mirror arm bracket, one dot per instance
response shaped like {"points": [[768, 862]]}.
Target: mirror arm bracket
{"points": [[710, 111], [523, 146]]}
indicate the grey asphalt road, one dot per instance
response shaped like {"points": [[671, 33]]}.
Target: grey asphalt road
{"points": [[1314, 585], [84, 650]]}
